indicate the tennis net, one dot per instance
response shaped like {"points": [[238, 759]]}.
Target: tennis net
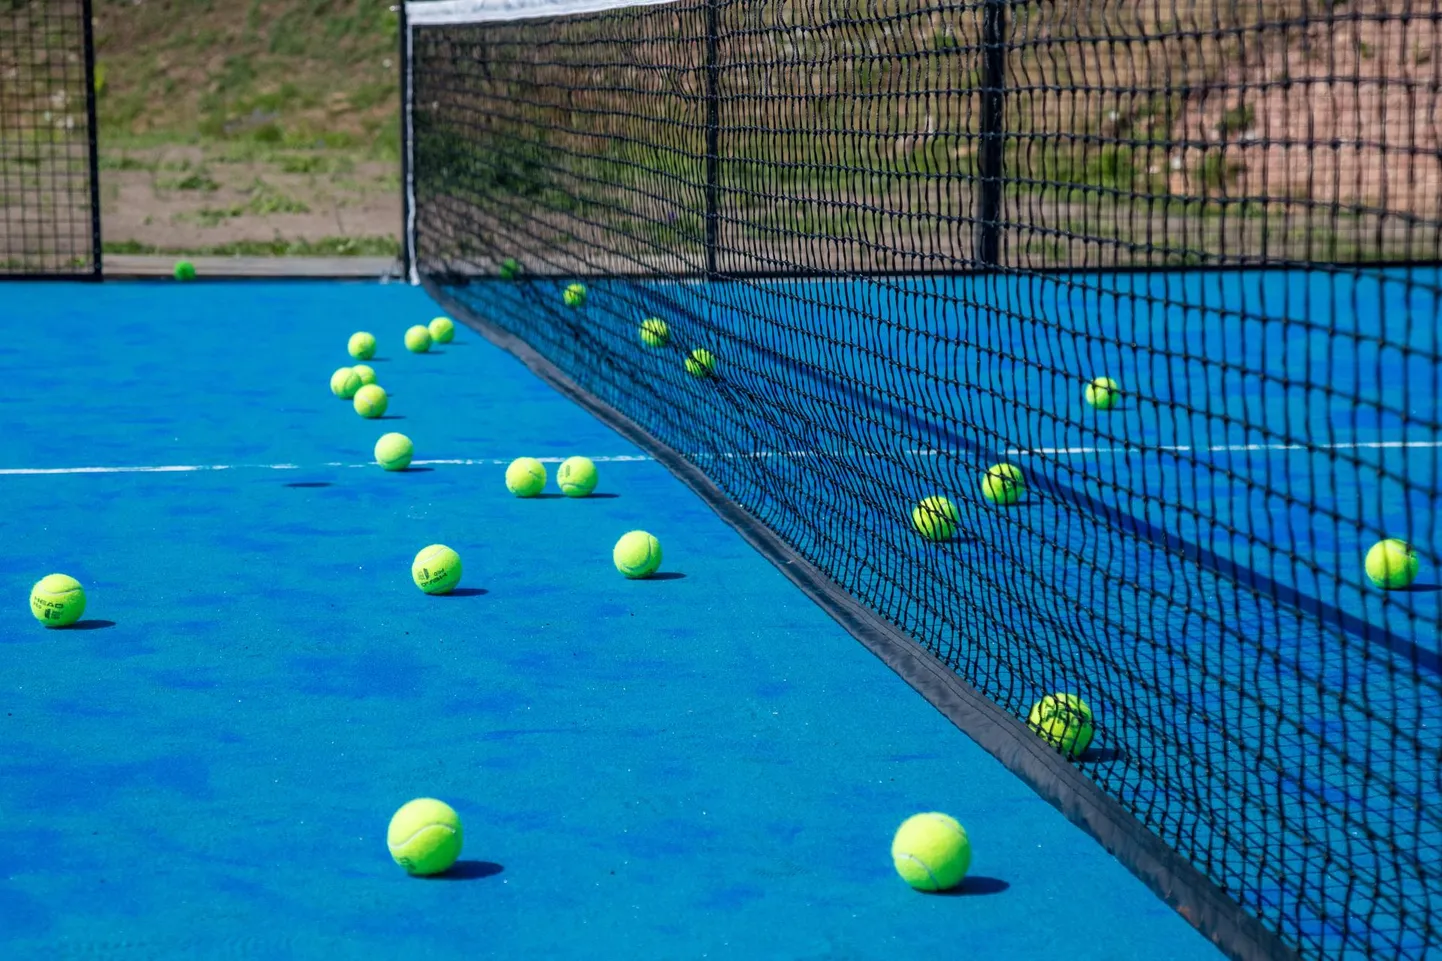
{"points": [[909, 233], [49, 195]]}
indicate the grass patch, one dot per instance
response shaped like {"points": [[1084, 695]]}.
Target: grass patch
{"points": [[276, 247], [199, 180]]}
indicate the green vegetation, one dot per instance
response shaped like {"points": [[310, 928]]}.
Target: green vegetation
{"points": [[277, 247]]}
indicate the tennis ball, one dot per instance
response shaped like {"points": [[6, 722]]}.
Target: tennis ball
{"points": [[525, 477], [344, 383], [654, 332], [418, 339], [1103, 393], [184, 270], [362, 346], [394, 451], [510, 268], [57, 600], [1003, 484], [637, 554], [424, 836], [443, 330], [371, 401], [575, 295], [436, 569], [576, 476], [701, 363], [1064, 721], [366, 373], [935, 518], [1392, 564], [931, 852]]}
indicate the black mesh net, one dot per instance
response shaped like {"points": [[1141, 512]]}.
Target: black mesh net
{"points": [[908, 236], [48, 213]]}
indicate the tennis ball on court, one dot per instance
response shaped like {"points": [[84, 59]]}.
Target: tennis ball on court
{"points": [[654, 332], [935, 518], [931, 852], [371, 401], [443, 330], [424, 836], [57, 600], [1064, 721], [1392, 564], [510, 268], [344, 383], [418, 339], [394, 451], [362, 346], [526, 477], [701, 363], [1103, 393], [576, 476], [1003, 484], [436, 569], [366, 373], [575, 295], [184, 270], [637, 554]]}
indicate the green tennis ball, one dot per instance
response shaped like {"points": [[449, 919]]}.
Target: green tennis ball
{"points": [[366, 373], [1064, 721], [443, 330], [931, 852], [371, 401], [1003, 485], [425, 836], [510, 268], [344, 383], [935, 518], [575, 295], [576, 477], [57, 600], [418, 339], [436, 569], [184, 270], [1103, 393], [654, 332], [637, 554], [394, 451], [362, 346], [1392, 564], [701, 363], [526, 477]]}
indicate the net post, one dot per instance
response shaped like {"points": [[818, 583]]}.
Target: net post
{"points": [[408, 201], [97, 268], [713, 134], [993, 97]]}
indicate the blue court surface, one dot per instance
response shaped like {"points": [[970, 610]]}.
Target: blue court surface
{"points": [[702, 765]]}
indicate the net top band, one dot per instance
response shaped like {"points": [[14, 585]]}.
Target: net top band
{"points": [[426, 13]]}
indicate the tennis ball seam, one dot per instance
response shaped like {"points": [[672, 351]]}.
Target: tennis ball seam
{"points": [[422, 830], [935, 884]]}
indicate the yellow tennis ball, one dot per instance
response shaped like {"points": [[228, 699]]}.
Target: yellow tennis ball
{"points": [[931, 852], [418, 339], [344, 383], [366, 373], [526, 477], [576, 476], [371, 401], [394, 451], [654, 332], [935, 518], [362, 345], [436, 569], [701, 363], [57, 600], [575, 295], [425, 836], [1103, 393], [442, 330], [1003, 484], [1064, 721], [637, 554], [1392, 564]]}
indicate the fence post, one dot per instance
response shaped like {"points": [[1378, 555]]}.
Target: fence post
{"points": [[993, 116]]}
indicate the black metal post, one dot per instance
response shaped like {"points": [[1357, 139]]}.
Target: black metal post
{"points": [[993, 117], [93, 135], [713, 134], [407, 143]]}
